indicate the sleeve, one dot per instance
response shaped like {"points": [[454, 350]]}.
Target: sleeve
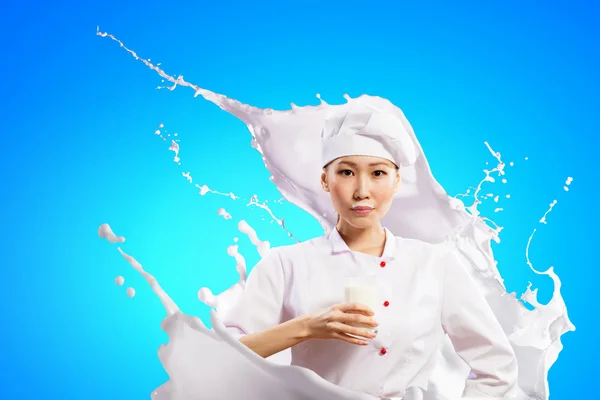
{"points": [[260, 304], [476, 335]]}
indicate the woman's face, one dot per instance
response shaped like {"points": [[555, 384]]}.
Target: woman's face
{"points": [[361, 188]]}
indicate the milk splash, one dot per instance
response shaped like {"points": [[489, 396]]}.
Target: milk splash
{"points": [[204, 189], [195, 355]]}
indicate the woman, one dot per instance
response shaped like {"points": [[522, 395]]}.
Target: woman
{"points": [[294, 298]]}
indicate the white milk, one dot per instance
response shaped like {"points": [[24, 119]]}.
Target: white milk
{"points": [[363, 294], [362, 291], [195, 355]]}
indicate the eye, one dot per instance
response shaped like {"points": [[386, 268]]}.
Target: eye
{"points": [[345, 172], [379, 173]]}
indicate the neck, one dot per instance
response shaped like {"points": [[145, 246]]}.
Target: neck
{"points": [[365, 240]]}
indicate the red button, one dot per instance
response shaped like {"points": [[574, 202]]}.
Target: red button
{"points": [[382, 264], [382, 352], [386, 303]]}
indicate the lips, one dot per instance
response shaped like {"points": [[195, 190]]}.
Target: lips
{"points": [[362, 208]]}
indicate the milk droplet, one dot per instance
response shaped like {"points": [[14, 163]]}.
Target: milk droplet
{"points": [[511, 164], [567, 183], [175, 148], [504, 181], [105, 232], [130, 292], [222, 212], [203, 190], [119, 280]]}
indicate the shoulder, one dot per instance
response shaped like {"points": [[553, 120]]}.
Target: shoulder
{"points": [[420, 248], [293, 251], [284, 257]]}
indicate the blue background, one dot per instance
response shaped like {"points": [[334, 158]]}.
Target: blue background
{"points": [[78, 122]]}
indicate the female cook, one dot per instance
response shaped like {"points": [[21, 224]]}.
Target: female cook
{"points": [[294, 297]]}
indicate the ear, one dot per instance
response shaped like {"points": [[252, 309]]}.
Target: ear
{"points": [[398, 181], [324, 184]]}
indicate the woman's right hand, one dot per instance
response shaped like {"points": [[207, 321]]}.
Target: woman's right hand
{"points": [[333, 323]]}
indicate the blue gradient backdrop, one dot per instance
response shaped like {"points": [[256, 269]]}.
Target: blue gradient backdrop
{"points": [[78, 122]]}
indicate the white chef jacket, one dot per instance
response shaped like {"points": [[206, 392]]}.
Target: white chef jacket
{"points": [[424, 293]]}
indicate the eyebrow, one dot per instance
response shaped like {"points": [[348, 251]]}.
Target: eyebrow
{"points": [[370, 165]]}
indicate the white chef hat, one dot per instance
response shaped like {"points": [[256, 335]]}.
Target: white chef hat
{"points": [[363, 130]]}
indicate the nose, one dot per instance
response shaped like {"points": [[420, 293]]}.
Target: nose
{"points": [[363, 187]]}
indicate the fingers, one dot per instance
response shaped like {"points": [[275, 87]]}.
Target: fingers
{"points": [[350, 339], [348, 317], [356, 307], [341, 328], [356, 319]]}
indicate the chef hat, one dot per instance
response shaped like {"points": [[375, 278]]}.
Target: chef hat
{"points": [[366, 131]]}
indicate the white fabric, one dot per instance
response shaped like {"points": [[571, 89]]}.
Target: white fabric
{"points": [[429, 293], [365, 131]]}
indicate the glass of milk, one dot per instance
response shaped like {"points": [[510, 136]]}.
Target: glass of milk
{"points": [[362, 290]]}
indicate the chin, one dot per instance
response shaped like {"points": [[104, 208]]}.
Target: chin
{"points": [[363, 222]]}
